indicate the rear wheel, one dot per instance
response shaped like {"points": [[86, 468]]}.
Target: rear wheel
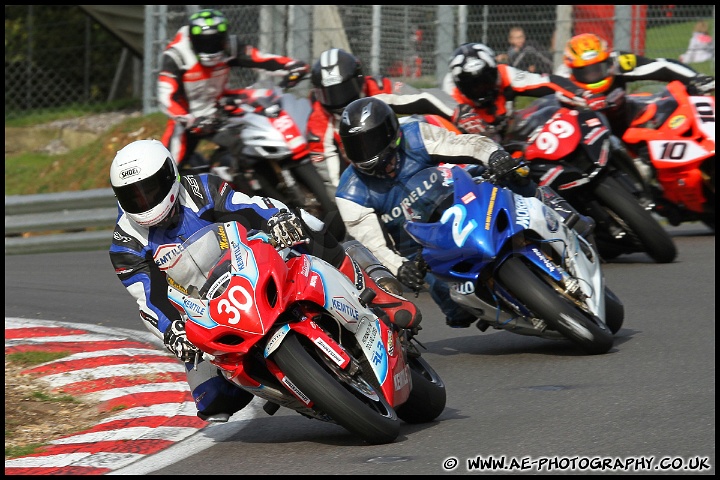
{"points": [[356, 405], [586, 331], [427, 397], [614, 311]]}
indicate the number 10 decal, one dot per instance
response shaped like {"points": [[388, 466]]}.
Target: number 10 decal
{"points": [[673, 150]]}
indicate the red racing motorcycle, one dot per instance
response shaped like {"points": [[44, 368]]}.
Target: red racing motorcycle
{"points": [[293, 330], [674, 133], [573, 151]]}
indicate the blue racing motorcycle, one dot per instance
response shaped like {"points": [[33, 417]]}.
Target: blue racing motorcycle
{"points": [[511, 260]]}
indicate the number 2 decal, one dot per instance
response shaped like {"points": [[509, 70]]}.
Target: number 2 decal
{"points": [[457, 214], [231, 305]]}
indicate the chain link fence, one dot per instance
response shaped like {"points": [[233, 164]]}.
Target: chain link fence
{"points": [[58, 57]]}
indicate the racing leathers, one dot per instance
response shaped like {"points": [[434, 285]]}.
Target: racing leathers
{"points": [[628, 67], [492, 118], [323, 125], [188, 92], [138, 254], [371, 207]]}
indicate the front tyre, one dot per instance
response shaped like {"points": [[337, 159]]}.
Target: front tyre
{"points": [[588, 333], [427, 397], [655, 240], [367, 415]]}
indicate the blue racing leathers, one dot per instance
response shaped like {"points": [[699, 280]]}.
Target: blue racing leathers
{"points": [[371, 206]]}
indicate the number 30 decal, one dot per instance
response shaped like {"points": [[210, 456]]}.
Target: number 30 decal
{"points": [[460, 233], [231, 305]]}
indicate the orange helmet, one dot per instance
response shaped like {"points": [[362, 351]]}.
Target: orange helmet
{"points": [[588, 59]]}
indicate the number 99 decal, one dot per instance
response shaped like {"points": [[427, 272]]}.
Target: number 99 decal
{"points": [[548, 140]]}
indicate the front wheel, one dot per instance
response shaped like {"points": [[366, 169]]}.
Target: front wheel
{"points": [[427, 397], [638, 223], [356, 406], [588, 333]]}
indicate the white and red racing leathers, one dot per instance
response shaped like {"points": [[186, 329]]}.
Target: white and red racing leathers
{"points": [[323, 126], [188, 90], [512, 82]]}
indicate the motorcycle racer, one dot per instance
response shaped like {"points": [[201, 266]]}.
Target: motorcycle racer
{"points": [[593, 67], [485, 91], [158, 209], [194, 72], [372, 192], [337, 78]]}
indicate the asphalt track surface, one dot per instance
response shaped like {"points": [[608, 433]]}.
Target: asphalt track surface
{"points": [[645, 407]]}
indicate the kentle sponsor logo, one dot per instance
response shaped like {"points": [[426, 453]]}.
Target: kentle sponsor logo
{"points": [[167, 255], [193, 308], [344, 309], [400, 379]]}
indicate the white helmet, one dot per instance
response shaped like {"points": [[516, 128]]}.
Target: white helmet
{"points": [[146, 181]]}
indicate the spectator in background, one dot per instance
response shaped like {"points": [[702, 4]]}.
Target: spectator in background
{"points": [[700, 48], [524, 54]]}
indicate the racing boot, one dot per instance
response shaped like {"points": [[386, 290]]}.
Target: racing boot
{"points": [[366, 271], [582, 224], [215, 397]]}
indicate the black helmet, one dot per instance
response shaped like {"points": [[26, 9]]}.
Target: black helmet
{"points": [[475, 72], [208, 35], [371, 135], [338, 79]]}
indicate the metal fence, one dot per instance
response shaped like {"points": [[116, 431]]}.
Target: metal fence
{"points": [[55, 56], [60, 222]]}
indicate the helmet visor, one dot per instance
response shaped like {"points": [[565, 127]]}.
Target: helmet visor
{"points": [[146, 194], [480, 88], [208, 43], [591, 73], [383, 164], [335, 97], [365, 146]]}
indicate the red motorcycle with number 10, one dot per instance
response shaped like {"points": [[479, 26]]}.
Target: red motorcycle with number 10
{"points": [[674, 133]]}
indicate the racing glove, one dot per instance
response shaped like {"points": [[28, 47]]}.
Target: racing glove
{"points": [[285, 229], [205, 125], [501, 163], [468, 121], [297, 70], [176, 341], [579, 100], [410, 275], [701, 85]]}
